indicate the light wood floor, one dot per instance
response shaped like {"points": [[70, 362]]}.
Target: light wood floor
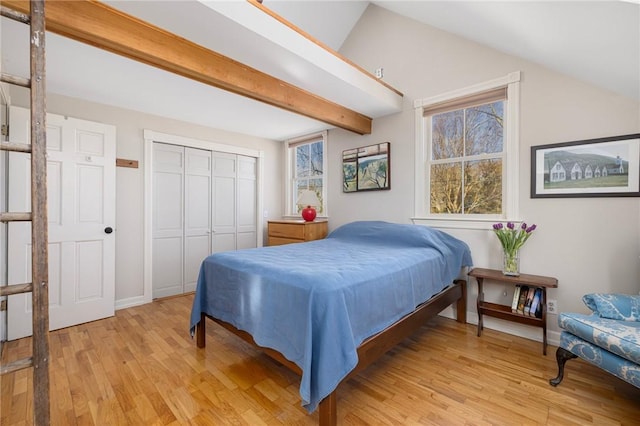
{"points": [[142, 368]]}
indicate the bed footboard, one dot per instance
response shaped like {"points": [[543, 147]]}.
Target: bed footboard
{"points": [[377, 345], [373, 347]]}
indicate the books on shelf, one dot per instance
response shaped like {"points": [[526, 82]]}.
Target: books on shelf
{"points": [[536, 304], [522, 299], [527, 304], [516, 297], [527, 301]]}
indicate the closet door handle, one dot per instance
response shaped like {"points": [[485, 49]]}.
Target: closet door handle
{"points": [[108, 230]]}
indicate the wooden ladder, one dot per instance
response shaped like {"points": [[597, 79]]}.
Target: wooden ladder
{"points": [[39, 285]]}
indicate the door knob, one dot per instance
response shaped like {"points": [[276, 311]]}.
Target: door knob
{"points": [[108, 230]]}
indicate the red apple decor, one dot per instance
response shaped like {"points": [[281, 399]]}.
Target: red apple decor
{"points": [[309, 214]]}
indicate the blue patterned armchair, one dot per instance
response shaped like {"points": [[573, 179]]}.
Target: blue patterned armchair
{"points": [[608, 338]]}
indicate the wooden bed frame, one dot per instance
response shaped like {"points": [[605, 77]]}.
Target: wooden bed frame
{"points": [[373, 347]]}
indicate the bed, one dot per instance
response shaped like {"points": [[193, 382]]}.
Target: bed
{"points": [[328, 308]]}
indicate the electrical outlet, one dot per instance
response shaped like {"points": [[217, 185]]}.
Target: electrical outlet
{"points": [[552, 306], [379, 73]]}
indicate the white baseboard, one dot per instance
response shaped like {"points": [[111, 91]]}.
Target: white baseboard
{"points": [[515, 329], [129, 302]]}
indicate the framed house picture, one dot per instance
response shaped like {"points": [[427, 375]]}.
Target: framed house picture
{"points": [[605, 167], [366, 168]]}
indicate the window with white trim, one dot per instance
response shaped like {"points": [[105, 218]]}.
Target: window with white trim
{"points": [[467, 149], [306, 159]]}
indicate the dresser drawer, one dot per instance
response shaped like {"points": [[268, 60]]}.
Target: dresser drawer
{"points": [[315, 231], [288, 230], [295, 231], [278, 241]]}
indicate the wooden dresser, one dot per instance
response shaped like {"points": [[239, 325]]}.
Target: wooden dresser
{"points": [[295, 231]]}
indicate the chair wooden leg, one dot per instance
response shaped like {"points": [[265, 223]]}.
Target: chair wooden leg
{"points": [[562, 356]]}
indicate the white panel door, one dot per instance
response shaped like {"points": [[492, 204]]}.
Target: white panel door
{"points": [[81, 213], [224, 202], [168, 219], [197, 207]]}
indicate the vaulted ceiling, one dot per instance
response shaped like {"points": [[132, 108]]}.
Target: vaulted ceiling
{"points": [[598, 42]]}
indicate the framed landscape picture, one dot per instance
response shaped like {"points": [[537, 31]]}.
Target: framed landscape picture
{"points": [[605, 167], [366, 168]]}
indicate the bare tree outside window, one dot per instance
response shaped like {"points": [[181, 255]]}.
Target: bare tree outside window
{"points": [[446, 188], [448, 135], [466, 160]]}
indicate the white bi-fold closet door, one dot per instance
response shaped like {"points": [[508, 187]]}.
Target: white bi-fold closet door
{"points": [[234, 202], [203, 202], [181, 216]]}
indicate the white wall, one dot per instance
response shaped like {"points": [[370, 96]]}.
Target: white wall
{"points": [[130, 182], [589, 244]]}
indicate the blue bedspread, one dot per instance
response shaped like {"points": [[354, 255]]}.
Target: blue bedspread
{"points": [[316, 302]]}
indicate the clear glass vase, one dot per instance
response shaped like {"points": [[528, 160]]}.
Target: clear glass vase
{"points": [[511, 264]]}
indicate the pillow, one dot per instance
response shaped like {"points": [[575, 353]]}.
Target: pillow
{"points": [[403, 235], [623, 307], [387, 233]]}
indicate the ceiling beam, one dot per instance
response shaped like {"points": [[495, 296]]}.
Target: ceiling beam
{"points": [[102, 26]]}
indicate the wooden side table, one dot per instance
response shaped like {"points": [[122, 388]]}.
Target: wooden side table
{"points": [[295, 231], [504, 312]]}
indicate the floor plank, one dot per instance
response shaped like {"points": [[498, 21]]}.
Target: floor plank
{"points": [[141, 367]]}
